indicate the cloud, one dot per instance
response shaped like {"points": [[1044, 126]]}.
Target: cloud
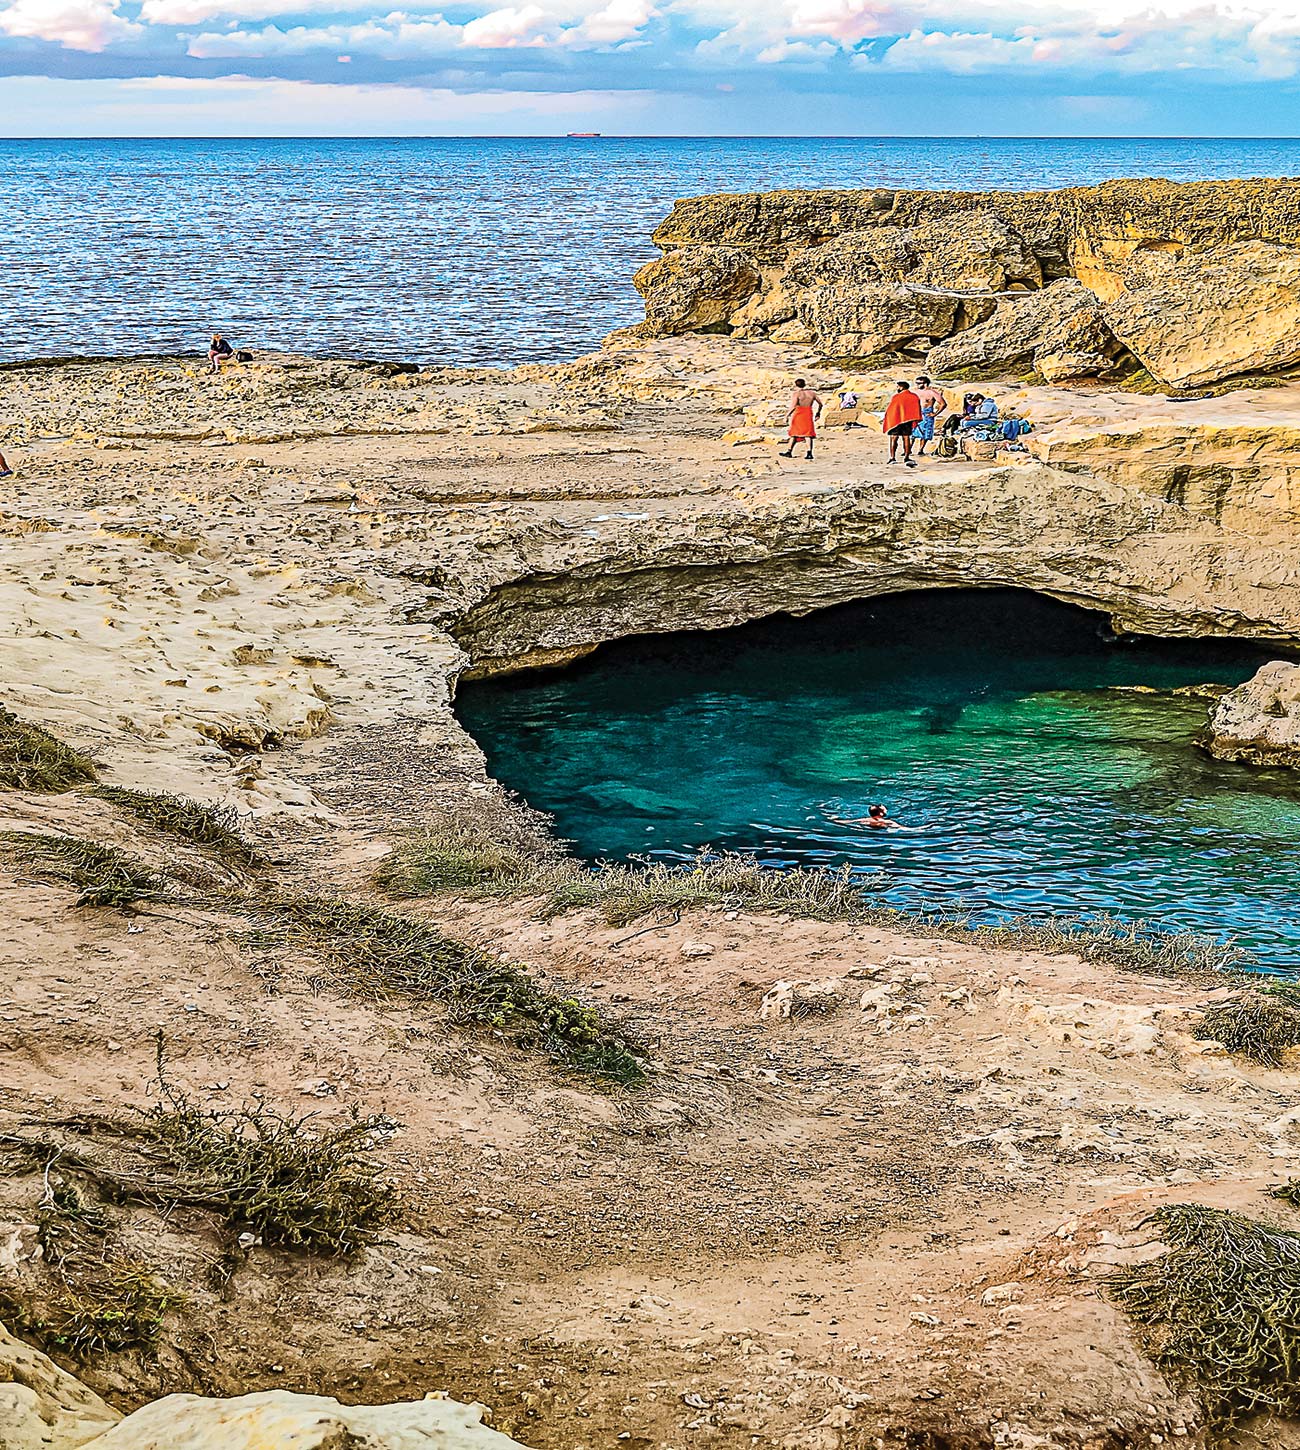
{"points": [[394, 35], [507, 29], [86, 25]]}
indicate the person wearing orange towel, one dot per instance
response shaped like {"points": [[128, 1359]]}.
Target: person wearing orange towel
{"points": [[901, 417], [805, 408]]}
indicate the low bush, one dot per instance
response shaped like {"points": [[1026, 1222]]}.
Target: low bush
{"points": [[33, 759], [215, 828], [1256, 1025], [1221, 1310], [376, 953], [102, 875], [293, 1182]]}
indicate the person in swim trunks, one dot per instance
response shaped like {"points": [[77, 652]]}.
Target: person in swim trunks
{"points": [[805, 409], [901, 417]]}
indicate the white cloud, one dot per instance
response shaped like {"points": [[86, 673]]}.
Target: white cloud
{"points": [[393, 36], [507, 29], [86, 25]]}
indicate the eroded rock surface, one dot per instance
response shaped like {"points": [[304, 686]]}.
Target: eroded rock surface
{"points": [[1196, 281], [1258, 723]]}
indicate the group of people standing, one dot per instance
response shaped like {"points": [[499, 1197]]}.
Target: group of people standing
{"points": [[912, 417]]}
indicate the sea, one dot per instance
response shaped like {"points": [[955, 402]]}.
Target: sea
{"points": [[434, 250]]}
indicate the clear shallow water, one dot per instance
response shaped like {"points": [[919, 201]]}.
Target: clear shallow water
{"points": [[436, 249], [987, 719]]}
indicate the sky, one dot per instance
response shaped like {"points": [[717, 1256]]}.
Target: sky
{"points": [[650, 67]]}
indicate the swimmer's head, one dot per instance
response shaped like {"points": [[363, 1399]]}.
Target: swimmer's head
{"points": [[878, 812]]}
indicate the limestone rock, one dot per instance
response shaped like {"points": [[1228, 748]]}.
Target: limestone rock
{"points": [[43, 1408], [1229, 309], [688, 290], [278, 1420], [882, 254], [1259, 722], [974, 251], [852, 321], [1059, 331]]}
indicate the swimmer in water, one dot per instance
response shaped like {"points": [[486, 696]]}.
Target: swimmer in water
{"points": [[876, 819]]}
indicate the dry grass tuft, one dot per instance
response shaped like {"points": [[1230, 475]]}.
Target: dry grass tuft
{"points": [[102, 875], [451, 860], [375, 953], [215, 828], [33, 759], [1221, 1310], [1257, 1025], [115, 1306]]}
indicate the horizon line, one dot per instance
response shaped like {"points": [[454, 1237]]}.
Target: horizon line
{"points": [[652, 136]]}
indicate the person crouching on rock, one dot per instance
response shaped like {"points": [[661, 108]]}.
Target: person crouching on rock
{"points": [[219, 353], [901, 417], [805, 409]]}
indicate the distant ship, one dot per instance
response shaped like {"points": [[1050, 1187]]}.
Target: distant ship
{"points": [[583, 135]]}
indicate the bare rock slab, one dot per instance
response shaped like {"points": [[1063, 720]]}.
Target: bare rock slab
{"points": [[1258, 723]]}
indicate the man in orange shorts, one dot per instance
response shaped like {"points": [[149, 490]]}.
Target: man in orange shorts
{"points": [[805, 408], [901, 417]]}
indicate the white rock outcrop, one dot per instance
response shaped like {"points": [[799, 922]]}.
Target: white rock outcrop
{"points": [[41, 1406], [278, 1420], [1258, 723]]}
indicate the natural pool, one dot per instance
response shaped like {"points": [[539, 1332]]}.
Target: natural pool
{"points": [[989, 719]]}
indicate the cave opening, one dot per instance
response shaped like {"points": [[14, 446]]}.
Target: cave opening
{"points": [[1043, 765]]}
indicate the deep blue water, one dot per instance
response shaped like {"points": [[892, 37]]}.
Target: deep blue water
{"points": [[434, 250], [987, 720]]}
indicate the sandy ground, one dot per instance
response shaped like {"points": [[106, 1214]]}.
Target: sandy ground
{"points": [[887, 1225]]}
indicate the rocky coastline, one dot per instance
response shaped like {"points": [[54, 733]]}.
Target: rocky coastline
{"points": [[878, 1183]]}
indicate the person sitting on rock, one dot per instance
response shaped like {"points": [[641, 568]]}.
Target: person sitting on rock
{"points": [[901, 417], [805, 408], [220, 353], [5, 470], [985, 413]]}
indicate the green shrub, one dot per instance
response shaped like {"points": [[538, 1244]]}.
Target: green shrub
{"points": [[1221, 1310], [33, 759], [114, 1307]]}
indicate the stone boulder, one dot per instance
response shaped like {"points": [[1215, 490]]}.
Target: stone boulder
{"points": [[852, 321], [1059, 332], [278, 1420], [973, 251], [42, 1407], [883, 254], [1258, 723], [1212, 314], [686, 291]]}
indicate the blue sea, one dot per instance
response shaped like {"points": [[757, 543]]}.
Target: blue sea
{"points": [[435, 250]]}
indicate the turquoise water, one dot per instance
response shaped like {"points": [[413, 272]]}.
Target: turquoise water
{"points": [[990, 721], [436, 249]]}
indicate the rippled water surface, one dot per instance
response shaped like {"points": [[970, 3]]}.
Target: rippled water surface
{"points": [[462, 251], [990, 721]]}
